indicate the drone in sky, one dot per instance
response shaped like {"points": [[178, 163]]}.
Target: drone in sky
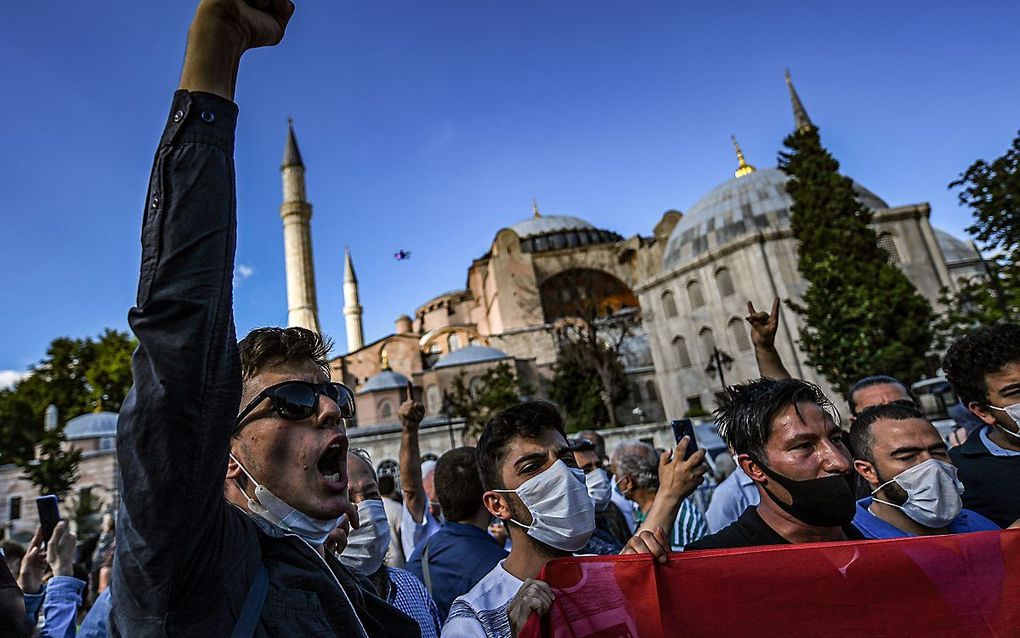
{"points": [[402, 255]]}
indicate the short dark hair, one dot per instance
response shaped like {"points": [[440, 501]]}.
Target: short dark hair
{"points": [[458, 487], [12, 549], [867, 382], [272, 346], [529, 420], [745, 412], [861, 439], [582, 445], [985, 351], [363, 454], [596, 439]]}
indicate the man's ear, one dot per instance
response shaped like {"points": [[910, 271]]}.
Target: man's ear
{"points": [[751, 468], [867, 470], [982, 412], [234, 471], [496, 505]]}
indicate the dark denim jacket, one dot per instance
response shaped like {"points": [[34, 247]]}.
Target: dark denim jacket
{"points": [[185, 557]]}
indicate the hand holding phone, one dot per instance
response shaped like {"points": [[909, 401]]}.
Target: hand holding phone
{"points": [[682, 428]]}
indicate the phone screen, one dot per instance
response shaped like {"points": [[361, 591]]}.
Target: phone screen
{"points": [[682, 428], [49, 514]]}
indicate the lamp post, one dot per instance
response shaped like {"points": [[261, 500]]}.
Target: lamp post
{"points": [[717, 362]]}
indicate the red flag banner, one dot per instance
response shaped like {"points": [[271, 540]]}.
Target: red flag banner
{"points": [[952, 586]]}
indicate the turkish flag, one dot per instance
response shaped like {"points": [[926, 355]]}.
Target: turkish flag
{"points": [[951, 586]]}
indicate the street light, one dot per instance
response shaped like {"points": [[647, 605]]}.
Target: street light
{"points": [[718, 361]]}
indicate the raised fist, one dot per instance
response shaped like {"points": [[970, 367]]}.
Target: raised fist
{"points": [[248, 23]]}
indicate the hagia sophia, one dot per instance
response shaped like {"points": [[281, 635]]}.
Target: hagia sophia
{"points": [[689, 278]]}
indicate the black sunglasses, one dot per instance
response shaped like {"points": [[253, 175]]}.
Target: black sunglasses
{"points": [[297, 400]]}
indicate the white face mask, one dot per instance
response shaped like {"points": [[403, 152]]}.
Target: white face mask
{"points": [[1013, 411], [599, 488], [367, 545], [275, 510], [933, 493], [562, 513]]}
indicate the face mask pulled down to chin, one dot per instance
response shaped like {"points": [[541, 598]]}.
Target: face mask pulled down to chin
{"points": [[275, 510], [822, 502]]}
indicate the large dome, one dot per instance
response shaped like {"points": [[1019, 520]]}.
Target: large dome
{"points": [[556, 232], [470, 354], [743, 205]]}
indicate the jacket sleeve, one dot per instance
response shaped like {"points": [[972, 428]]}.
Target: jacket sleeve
{"points": [[174, 428]]}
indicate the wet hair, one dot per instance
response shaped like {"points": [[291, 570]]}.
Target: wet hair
{"points": [[745, 412], [861, 439], [639, 461], [458, 486], [266, 347], [985, 351], [529, 420], [867, 382]]}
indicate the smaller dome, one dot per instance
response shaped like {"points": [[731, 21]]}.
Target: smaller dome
{"points": [[470, 354], [954, 250], [93, 425], [385, 380]]}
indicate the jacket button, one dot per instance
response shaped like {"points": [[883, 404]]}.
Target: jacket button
{"points": [[208, 116], [178, 116]]}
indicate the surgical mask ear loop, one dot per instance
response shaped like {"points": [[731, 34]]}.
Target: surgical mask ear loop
{"points": [[512, 520], [246, 473]]}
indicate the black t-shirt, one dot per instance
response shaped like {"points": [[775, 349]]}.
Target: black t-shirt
{"points": [[750, 531], [990, 481]]}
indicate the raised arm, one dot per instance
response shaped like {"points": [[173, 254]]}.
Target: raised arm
{"points": [[174, 428], [411, 413], [763, 335], [677, 480]]}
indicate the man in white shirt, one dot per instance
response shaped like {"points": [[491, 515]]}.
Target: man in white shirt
{"points": [[534, 486]]}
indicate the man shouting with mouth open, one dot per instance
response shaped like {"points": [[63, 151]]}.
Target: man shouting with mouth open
{"points": [[233, 456]]}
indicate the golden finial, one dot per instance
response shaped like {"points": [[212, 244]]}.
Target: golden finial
{"points": [[743, 168], [534, 208], [385, 360]]}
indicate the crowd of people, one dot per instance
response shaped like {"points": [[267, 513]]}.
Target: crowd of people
{"points": [[244, 511]]}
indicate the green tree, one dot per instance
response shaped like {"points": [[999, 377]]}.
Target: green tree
{"points": [[862, 315], [992, 191], [55, 468], [477, 400], [84, 508], [578, 386]]}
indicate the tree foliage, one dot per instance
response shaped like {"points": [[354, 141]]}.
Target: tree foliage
{"points": [[77, 376], [586, 365], [478, 400], [992, 191], [862, 315]]}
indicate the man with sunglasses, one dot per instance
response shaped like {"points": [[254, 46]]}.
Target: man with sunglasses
{"points": [[233, 457]]}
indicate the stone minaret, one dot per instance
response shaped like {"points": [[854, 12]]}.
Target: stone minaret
{"points": [[352, 305], [800, 116], [296, 212]]}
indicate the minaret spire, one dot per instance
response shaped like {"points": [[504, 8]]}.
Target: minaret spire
{"points": [[743, 168], [352, 305], [534, 208], [296, 213], [800, 116]]}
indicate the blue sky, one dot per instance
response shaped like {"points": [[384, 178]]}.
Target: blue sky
{"points": [[428, 126]]}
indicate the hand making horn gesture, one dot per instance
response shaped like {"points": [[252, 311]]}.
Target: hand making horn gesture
{"points": [[763, 324]]}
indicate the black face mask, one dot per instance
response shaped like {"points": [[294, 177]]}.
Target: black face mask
{"points": [[822, 502]]}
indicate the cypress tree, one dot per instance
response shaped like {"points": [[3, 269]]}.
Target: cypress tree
{"points": [[862, 316]]}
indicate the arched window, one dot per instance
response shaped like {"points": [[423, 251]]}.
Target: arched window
{"points": [[694, 295], [738, 331], [723, 282], [888, 244], [433, 399], [385, 410], [668, 304], [650, 391], [707, 341], [435, 348], [453, 341], [683, 358], [635, 392]]}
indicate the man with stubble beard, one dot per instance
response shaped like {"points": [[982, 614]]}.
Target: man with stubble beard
{"points": [[232, 456]]}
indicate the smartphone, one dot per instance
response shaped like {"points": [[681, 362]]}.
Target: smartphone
{"points": [[49, 514], [682, 428]]}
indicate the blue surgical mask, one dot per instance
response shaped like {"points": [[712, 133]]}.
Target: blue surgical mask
{"points": [[275, 510]]}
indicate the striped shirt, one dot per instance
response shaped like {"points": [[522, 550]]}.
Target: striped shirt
{"points": [[689, 526]]}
